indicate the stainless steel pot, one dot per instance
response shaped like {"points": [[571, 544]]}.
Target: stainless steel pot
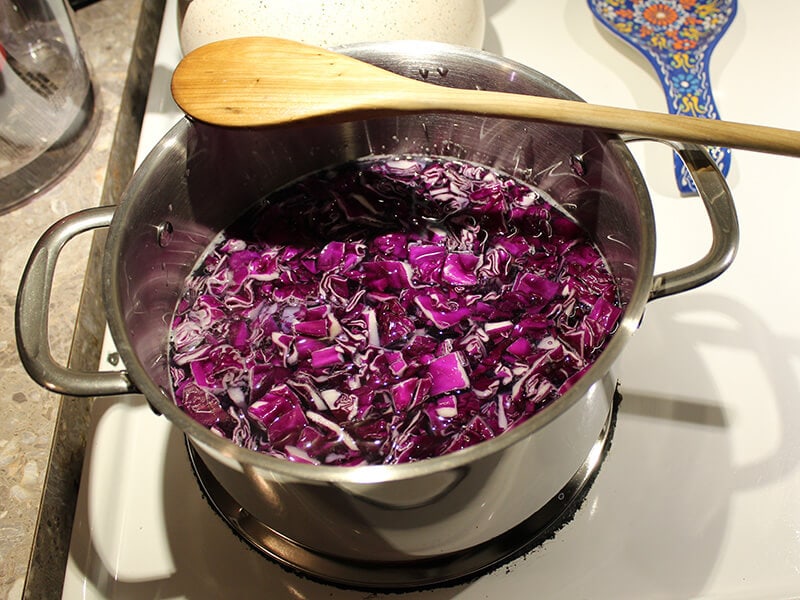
{"points": [[199, 178]]}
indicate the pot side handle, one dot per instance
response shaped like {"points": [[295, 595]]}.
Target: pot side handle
{"points": [[32, 312], [718, 201]]}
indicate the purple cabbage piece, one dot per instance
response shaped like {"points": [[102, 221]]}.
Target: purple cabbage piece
{"points": [[389, 311]]}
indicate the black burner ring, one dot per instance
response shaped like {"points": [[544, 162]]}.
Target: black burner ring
{"points": [[449, 570]]}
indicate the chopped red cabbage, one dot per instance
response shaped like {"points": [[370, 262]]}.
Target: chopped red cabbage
{"points": [[387, 311]]}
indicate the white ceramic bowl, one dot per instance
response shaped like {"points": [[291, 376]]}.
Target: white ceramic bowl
{"points": [[331, 23]]}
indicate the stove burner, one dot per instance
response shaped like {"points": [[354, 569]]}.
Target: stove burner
{"points": [[451, 569]]}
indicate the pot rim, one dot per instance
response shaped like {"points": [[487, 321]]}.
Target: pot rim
{"points": [[163, 403]]}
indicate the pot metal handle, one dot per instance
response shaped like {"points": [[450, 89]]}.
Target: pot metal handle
{"points": [[33, 298], [718, 201], [33, 301]]}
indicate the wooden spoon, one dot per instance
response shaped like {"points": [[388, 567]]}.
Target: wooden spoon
{"points": [[261, 81]]}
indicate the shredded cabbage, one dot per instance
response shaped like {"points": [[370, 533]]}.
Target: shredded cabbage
{"points": [[387, 311]]}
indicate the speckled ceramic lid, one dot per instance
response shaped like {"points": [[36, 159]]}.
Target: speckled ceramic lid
{"points": [[333, 22]]}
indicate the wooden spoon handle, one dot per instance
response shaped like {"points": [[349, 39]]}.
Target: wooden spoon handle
{"points": [[617, 120]]}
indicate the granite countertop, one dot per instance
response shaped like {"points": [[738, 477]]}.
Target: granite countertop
{"points": [[42, 435]]}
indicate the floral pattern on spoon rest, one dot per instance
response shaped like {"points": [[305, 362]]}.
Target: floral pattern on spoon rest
{"points": [[677, 38]]}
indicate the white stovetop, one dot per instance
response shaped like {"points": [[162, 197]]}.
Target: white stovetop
{"points": [[700, 495]]}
